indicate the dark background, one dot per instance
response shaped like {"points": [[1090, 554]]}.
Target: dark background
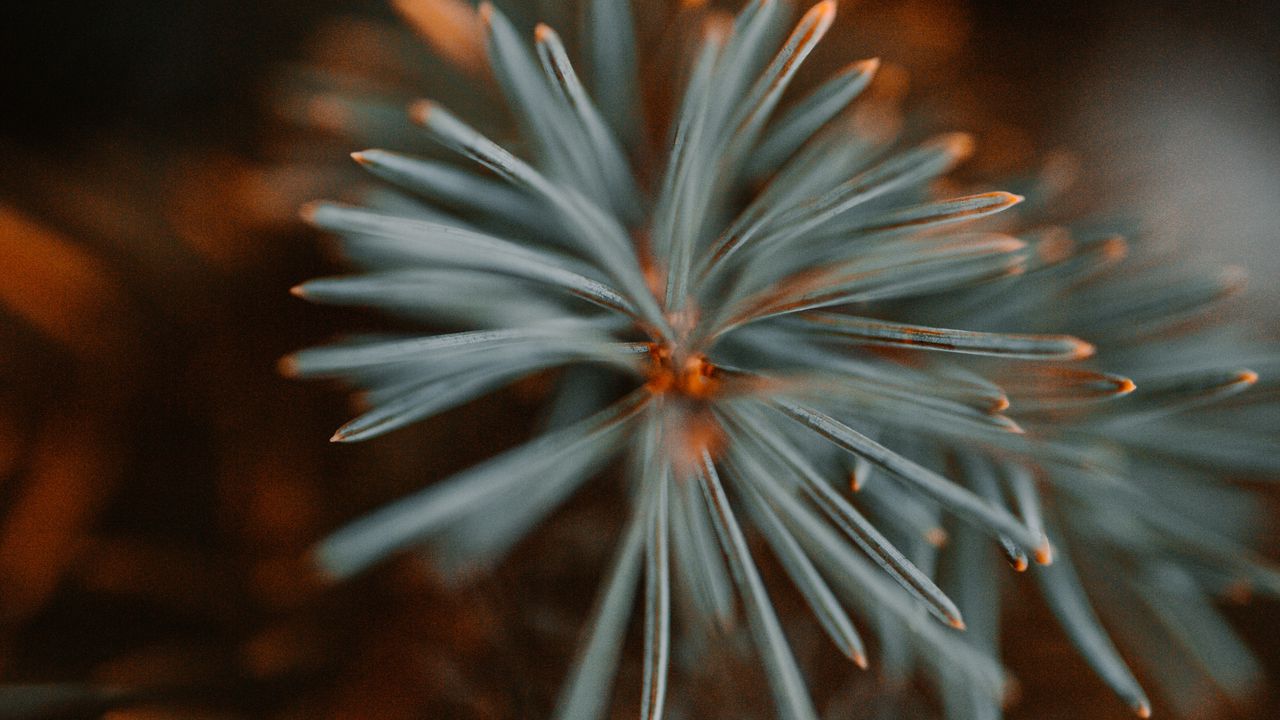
{"points": [[190, 70], [1183, 98]]}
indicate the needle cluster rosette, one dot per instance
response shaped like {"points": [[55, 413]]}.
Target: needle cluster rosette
{"points": [[743, 310]]}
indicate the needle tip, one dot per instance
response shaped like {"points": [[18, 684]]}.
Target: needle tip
{"points": [[308, 211], [868, 66], [420, 111], [1082, 349], [287, 366], [1044, 554]]}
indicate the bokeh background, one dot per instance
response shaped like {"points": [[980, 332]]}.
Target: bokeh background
{"points": [[159, 482]]}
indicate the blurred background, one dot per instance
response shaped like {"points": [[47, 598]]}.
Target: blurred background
{"points": [[159, 482]]}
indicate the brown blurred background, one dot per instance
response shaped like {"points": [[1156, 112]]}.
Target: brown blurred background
{"points": [[159, 482]]}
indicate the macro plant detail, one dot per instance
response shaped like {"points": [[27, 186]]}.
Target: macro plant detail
{"points": [[753, 312], [1130, 479]]}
